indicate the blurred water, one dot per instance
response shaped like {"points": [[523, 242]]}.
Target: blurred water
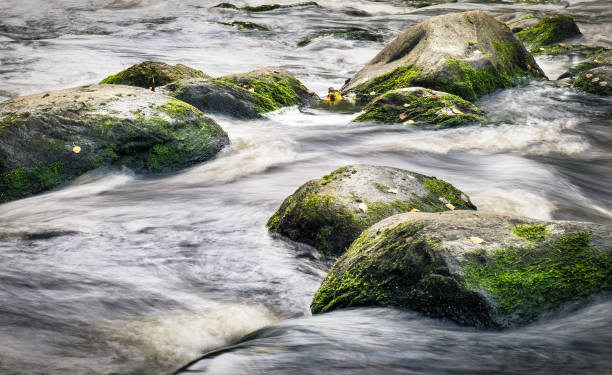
{"points": [[120, 273]]}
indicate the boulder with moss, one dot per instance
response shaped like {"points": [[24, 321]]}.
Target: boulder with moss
{"points": [[476, 268], [420, 106], [265, 7], [467, 54], [152, 74], [547, 30], [593, 75], [247, 95], [331, 212], [50, 138]]}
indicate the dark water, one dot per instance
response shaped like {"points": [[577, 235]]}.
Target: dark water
{"points": [[124, 274]]}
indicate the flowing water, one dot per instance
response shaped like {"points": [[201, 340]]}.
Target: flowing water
{"points": [[119, 273]]}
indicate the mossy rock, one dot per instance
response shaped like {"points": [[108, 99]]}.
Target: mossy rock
{"points": [[351, 33], [596, 81], [331, 212], [266, 7], [50, 138], [476, 268], [418, 106], [152, 74], [246, 95], [467, 54], [549, 30]]}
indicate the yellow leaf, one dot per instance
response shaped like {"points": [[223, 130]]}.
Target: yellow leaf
{"points": [[450, 206], [408, 239], [76, 149], [415, 210], [476, 240]]}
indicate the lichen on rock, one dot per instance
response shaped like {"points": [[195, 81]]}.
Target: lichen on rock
{"points": [[417, 105], [329, 213], [427, 262]]}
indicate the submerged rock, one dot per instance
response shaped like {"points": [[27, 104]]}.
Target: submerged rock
{"points": [[547, 30], [467, 54], [50, 138], [247, 25], [352, 33], [244, 95], [475, 268], [152, 74], [265, 7], [331, 212], [416, 105]]}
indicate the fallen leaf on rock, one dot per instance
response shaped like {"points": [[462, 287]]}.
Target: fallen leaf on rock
{"points": [[588, 75], [403, 116], [528, 67], [409, 122], [476, 240], [450, 206], [561, 44], [76, 149], [463, 197], [603, 83], [598, 61], [251, 90], [363, 207], [372, 93], [393, 191], [542, 49], [406, 105], [596, 79], [408, 239], [415, 210]]}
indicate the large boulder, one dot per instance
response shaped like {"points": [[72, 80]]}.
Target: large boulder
{"points": [[153, 73], [50, 138], [418, 106], [247, 95], [329, 213], [476, 268], [467, 54]]}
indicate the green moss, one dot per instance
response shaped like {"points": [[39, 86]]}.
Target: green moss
{"points": [[570, 49], [439, 110], [149, 74], [587, 84], [549, 30], [439, 188], [176, 109], [398, 267], [335, 175], [21, 182], [264, 8], [531, 232], [526, 280], [398, 78], [13, 120]]}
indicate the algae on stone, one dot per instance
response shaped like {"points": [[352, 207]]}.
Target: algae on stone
{"points": [[417, 105], [549, 30], [329, 213]]}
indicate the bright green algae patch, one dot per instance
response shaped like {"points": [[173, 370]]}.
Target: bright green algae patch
{"points": [[402, 268], [531, 232], [421, 106], [527, 280], [151, 74], [549, 30]]}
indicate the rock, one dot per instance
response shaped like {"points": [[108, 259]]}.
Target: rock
{"points": [[599, 81], [153, 73], [266, 7], [50, 138], [521, 268], [421, 106], [352, 33], [326, 213], [245, 25], [467, 54], [549, 30], [244, 95]]}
